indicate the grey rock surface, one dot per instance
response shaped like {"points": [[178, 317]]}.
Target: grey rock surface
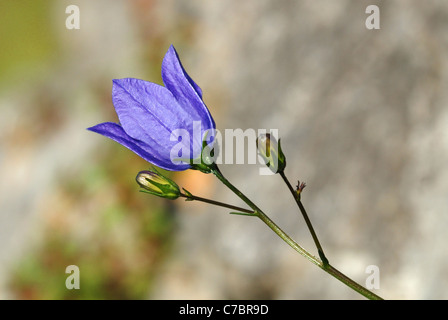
{"points": [[364, 121]]}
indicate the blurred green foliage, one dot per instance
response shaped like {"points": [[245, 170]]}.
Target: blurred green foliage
{"points": [[118, 252], [29, 45], [95, 218]]}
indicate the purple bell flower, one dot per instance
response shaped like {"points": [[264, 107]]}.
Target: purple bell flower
{"points": [[161, 124]]}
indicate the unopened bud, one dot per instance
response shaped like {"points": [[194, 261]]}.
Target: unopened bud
{"points": [[271, 152], [154, 183]]}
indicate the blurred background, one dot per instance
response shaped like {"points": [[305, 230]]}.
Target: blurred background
{"points": [[362, 115]]}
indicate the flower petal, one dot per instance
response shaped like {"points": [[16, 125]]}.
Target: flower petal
{"points": [[116, 132], [172, 62], [160, 123], [146, 110], [184, 89]]}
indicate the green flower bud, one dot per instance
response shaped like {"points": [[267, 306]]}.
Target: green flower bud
{"points": [[154, 183], [271, 152]]}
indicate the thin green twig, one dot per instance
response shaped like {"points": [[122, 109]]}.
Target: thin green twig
{"points": [[216, 203], [285, 237], [305, 216]]}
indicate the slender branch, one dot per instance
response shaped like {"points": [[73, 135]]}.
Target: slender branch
{"points": [[285, 237], [305, 216], [226, 182], [216, 203]]}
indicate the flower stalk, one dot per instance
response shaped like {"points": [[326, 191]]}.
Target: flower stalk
{"points": [[296, 195], [271, 151], [285, 237], [191, 197]]}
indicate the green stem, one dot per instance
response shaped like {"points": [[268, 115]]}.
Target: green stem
{"points": [[216, 203], [305, 216], [274, 227]]}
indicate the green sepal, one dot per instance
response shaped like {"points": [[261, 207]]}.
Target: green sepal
{"points": [[188, 194], [201, 167], [281, 161], [207, 163], [149, 192]]}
